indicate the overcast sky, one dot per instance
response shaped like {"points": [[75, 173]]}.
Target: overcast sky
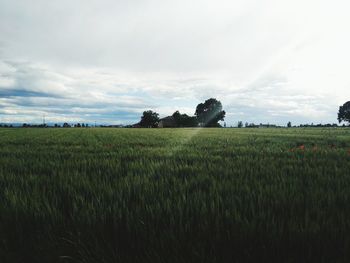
{"points": [[108, 61]]}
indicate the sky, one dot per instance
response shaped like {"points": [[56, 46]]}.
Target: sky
{"points": [[267, 61]]}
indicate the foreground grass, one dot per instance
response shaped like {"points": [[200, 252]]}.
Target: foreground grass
{"points": [[175, 195]]}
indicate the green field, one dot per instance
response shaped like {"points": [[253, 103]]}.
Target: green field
{"points": [[175, 195]]}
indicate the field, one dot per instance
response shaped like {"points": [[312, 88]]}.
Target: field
{"points": [[175, 195]]}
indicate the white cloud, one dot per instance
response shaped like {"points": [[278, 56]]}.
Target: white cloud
{"points": [[265, 60]]}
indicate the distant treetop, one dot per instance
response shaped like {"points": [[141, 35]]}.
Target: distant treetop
{"points": [[149, 119], [210, 113], [344, 112]]}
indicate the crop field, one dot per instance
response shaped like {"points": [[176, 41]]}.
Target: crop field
{"points": [[175, 195]]}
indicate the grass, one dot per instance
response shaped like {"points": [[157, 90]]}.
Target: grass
{"points": [[175, 195]]}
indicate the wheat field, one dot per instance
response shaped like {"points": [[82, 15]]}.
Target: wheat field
{"points": [[175, 195]]}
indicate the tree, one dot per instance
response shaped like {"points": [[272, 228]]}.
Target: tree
{"points": [[344, 112], [183, 120], [240, 124], [177, 117], [289, 124], [149, 119], [209, 113]]}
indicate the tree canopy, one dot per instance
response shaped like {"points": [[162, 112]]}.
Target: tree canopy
{"points": [[344, 112], [183, 120], [149, 119], [210, 113]]}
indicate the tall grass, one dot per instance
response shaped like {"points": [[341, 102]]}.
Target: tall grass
{"points": [[174, 195]]}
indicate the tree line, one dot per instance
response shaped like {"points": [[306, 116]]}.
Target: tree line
{"points": [[207, 114]]}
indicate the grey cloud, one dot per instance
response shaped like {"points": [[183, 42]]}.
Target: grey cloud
{"points": [[94, 97], [65, 95], [139, 35], [77, 58], [21, 93]]}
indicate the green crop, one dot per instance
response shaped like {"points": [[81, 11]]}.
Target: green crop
{"points": [[175, 195]]}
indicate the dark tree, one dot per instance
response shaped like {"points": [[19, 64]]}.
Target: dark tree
{"points": [[209, 113], [183, 120], [178, 118], [240, 124], [344, 112], [289, 124], [149, 119]]}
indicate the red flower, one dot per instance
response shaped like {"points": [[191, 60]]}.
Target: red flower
{"points": [[302, 147]]}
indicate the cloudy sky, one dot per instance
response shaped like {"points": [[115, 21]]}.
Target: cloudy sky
{"points": [[108, 60]]}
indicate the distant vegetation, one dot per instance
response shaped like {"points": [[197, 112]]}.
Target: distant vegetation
{"points": [[149, 119], [207, 114], [183, 120], [174, 195], [210, 113], [344, 112]]}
